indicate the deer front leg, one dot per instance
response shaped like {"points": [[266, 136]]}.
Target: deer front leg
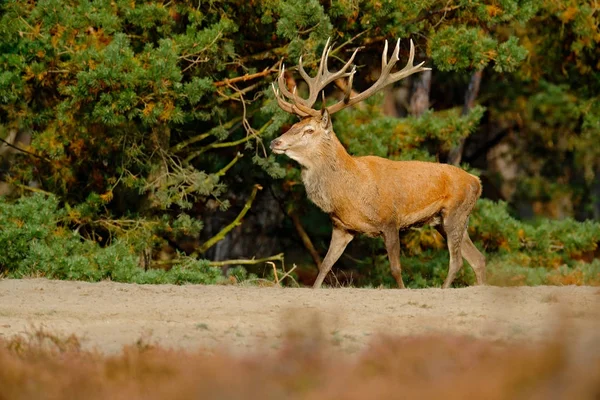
{"points": [[392, 245], [339, 240]]}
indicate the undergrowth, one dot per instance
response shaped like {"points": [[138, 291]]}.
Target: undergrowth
{"points": [[37, 241], [37, 238], [552, 252]]}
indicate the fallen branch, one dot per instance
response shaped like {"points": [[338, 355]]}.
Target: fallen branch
{"points": [[251, 261], [241, 261], [237, 221]]}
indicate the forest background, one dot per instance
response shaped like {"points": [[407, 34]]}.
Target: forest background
{"points": [[135, 136]]}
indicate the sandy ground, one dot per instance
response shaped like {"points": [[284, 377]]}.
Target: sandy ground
{"points": [[109, 315]]}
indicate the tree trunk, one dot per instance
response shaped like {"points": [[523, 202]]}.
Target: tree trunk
{"points": [[455, 155], [419, 101]]}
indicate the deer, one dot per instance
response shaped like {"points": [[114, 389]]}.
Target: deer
{"points": [[372, 195]]}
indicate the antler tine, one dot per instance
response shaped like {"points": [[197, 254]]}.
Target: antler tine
{"points": [[409, 68], [384, 55], [282, 85], [299, 104], [302, 71], [349, 85], [395, 56], [324, 58], [284, 105], [323, 77], [411, 56], [387, 67]]}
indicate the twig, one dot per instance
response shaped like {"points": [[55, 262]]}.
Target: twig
{"points": [[226, 168], [196, 54], [276, 52], [237, 221], [287, 275], [238, 93], [23, 150], [247, 77], [352, 39], [33, 189], [10, 140], [275, 276], [181, 145], [218, 145]]}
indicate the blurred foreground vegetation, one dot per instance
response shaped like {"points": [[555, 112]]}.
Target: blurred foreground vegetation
{"points": [[131, 127], [44, 366]]}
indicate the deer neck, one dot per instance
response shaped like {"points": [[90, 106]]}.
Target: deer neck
{"points": [[326, 172]]}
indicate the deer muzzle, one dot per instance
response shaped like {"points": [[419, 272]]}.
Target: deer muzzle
{"points": [[276, 146]]}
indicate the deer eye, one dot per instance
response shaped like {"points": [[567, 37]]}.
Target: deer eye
{"points": [[309, 131]]}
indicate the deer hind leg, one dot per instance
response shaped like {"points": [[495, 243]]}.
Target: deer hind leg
{"points": [[455, 223], [474, 258], [392, 245], [339, 240], [455, 230]]}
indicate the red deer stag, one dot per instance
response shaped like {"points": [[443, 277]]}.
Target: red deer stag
{"points": [[373, 195]]}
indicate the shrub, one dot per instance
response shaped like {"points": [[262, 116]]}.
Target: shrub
{"points": [[38, 242]]}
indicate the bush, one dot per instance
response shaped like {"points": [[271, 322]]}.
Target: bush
{"points": [[38, 242]]}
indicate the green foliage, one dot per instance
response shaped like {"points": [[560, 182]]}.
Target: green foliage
{"points": [[552, 252], [459, 48], [367, 131], [139, 113], [38, 243], [546, 253]]}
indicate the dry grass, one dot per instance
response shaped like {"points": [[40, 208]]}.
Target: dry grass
{"points": [[43, 366]]}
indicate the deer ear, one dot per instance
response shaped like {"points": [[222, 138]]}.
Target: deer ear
{"points": [[325, 119]]}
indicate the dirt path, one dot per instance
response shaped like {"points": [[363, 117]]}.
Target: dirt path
{"points": [[109, 315]]}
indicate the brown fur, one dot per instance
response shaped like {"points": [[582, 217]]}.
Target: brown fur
{"points": [[378, 197]]}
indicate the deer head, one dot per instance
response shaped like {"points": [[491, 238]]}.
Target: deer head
{"points": [[306, 138]]}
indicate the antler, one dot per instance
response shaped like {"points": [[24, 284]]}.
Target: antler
{"points": [[303, 107], [384, 79]]}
